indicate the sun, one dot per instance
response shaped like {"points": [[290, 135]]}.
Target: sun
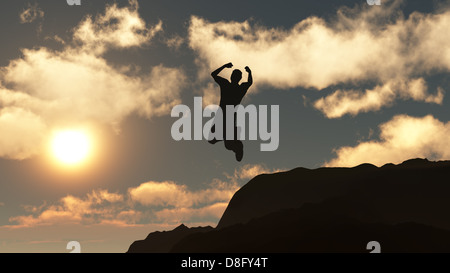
{"points": [[70, 147]]}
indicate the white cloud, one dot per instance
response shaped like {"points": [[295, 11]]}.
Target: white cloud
{"points": [[354, 102], [21, 130], [31, 14], [358, 46], [166, 202], [95, 208], [249, 171], [161, 194], [210, 94], [77, 84], [170, 194], [117, 28], [179, 204], [150, 202], [401, 138]]}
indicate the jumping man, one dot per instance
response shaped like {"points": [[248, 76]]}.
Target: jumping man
{"points": [[231, 93]]}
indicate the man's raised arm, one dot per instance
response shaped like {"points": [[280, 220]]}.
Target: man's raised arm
{"points": [[250, 77], [249, 80], [215, 73]]}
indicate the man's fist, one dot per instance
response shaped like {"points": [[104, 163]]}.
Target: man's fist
{"points": [[229, 65], [247, 69]]}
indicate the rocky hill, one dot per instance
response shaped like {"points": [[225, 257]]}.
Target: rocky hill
{"points": [[404, 207]]}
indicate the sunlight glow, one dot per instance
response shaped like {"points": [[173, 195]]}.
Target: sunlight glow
{"points": [[71, 147]]}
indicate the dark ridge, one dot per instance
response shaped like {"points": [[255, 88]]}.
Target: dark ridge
{"points": [[393, 189], [404, 207], [162, 242], [315, 228]]}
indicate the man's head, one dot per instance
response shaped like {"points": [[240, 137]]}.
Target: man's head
{"points": [[236, 76]]}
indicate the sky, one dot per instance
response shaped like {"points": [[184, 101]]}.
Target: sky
{"points": [[354, 84]]}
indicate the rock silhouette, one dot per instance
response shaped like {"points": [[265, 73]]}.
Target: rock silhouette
{"points": [[315, 229], [416, 190], [404, 207], [162, 242]]}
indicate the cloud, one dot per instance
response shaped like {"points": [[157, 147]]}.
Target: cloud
{"points": [[165, 202], [105, 221], [179, 204], [359, 46], [116, 28], [170, 194], [21, 130], [354, 102], [150, 202], [404, 137], [175, 42], [178, 215], [161, 194], [49, 89], [95, 208], [55, 38], [249, 171], [31, 14]]}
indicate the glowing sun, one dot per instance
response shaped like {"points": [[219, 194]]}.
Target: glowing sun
{"points": [[70, 147]]}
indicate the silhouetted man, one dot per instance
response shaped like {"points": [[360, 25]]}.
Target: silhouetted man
{"points": [[231, 93]]}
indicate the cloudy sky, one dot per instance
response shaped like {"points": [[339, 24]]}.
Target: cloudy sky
{"points": [[355, 84]]}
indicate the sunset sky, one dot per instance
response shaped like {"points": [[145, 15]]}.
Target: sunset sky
{"points": [[86, 92]]}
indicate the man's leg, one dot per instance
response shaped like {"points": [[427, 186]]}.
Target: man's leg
{"points": [[214, 140], [239, 150], [239, 146], [235, 145]]}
